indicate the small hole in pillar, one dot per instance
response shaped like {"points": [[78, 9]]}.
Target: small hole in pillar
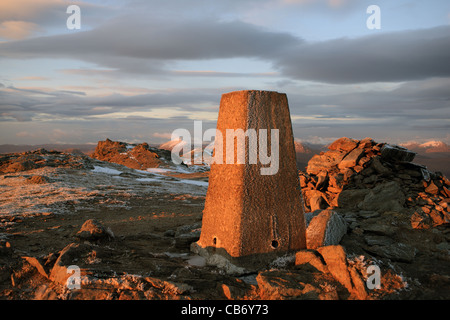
{"points": [[214, 241], [274, 244]]}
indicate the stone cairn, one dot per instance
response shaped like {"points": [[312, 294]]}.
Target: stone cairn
{"points": [[375, 177], [40, 158], [250, 218]]}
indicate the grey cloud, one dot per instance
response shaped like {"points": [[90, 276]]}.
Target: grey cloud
{"points": [[24, 104], [436, 89], [425, 100], [139, 44], [50, 13], [222, 74], [399, 56]]}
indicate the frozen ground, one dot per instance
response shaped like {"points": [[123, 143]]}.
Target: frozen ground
{"points": [[70, 190]]}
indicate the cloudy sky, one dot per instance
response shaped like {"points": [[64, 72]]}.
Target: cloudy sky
{"points": [[138, 69]]}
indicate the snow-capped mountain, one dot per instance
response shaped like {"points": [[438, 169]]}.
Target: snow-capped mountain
{"points": [[169, 145], [427, 147]]}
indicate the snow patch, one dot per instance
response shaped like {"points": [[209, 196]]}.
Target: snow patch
{"points": [[182, 181], [432, 144], [148, 179], [98, 169], [158, 170], [194, 182]]}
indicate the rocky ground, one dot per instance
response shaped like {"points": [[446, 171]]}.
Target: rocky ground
{"points": [[129, 230]]}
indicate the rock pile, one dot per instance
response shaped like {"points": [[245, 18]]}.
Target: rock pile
{"points": [[369, 206], [372, 178], [17, 162], [140, 156], [327, 273]]}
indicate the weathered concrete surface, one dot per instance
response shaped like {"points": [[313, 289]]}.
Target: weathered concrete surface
{"points": [[249, 215]]}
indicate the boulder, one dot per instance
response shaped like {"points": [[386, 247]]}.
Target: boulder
{"points": [[70, 255], [45, 292], [378, 166], [17, 162], [325, 228], [324, 162], [396, 252], [297, 284], [38, 180], [336, 261], [446, 192], [139, 156], [322, 180], [350, 199], [343, 144], [336, 181], [108, 149], [432, 188], [366, 143], [375, 240], [186, 235], [351, 160], [396, 154], [93, 230], [317, 201], [36, 264], [384, 197], [5, 248], [312, 258], [21, 165], [381, 229], [237, 289]]}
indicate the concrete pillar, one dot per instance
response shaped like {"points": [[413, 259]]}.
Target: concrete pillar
{"points": [[253, 211]]}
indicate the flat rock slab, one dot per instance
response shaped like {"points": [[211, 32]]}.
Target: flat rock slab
{"points": [[396, 153], [325, 228]]}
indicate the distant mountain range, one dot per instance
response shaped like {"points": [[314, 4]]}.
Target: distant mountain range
{"points": [[434, 154], [427, 147], [70, 148]]}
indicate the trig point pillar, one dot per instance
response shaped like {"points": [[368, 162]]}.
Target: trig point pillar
{"points": [[253, 210]]}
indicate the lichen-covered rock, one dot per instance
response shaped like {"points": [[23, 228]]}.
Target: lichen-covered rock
{"points": [[25, 161], [93, 230], [140, 156], [368, 176], [325, 228]]}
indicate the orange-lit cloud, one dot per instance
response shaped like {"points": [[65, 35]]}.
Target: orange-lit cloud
{"points": [[33, 78], [27, 9], [16, 30], [166, 135], [21, 19]]}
